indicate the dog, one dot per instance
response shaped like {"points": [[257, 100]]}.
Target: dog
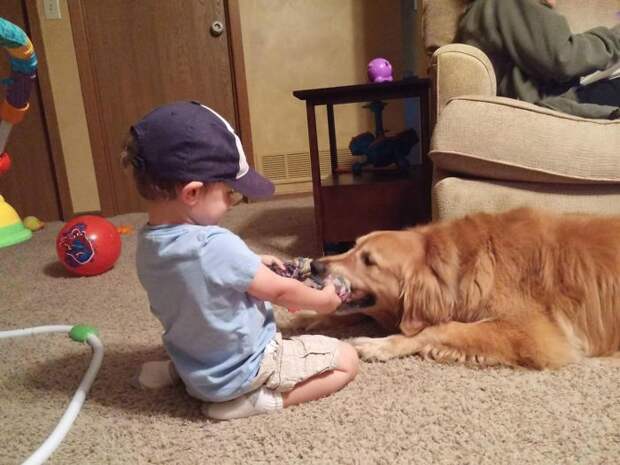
{"points": [[522, 288]]}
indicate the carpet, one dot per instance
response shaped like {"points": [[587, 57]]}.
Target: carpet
{"points": [[404, 411]]}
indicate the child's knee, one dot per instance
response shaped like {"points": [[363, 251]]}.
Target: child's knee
{"points": [[348, 360]]}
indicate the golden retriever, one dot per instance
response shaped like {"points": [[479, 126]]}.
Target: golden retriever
{"points": [[522, 288]]}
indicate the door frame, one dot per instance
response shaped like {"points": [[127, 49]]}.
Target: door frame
{"points": [[93, 107], [50, 119]]}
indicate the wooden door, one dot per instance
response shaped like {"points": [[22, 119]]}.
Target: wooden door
{"points": [[30, 186], [134, 55]]}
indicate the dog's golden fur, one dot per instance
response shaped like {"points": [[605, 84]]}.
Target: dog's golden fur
{"points": [[524, 287]]}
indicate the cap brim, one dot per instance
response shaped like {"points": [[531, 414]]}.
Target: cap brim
{"points": [[253, 185]]}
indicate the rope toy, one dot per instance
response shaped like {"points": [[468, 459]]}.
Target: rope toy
{"points": [[299, 269]]}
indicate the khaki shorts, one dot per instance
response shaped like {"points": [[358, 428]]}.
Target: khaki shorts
{"points": [[289, 361]]}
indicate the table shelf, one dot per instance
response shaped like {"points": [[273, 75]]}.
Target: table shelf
{"points": [[366, 177]]}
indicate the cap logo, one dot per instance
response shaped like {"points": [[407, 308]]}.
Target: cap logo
{"points": [[243, 162]]}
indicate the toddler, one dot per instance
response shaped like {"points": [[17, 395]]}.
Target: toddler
{"points": [[210, 292]]}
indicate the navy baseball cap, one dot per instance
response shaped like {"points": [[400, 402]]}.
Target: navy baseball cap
{"points": [[187, 141]]}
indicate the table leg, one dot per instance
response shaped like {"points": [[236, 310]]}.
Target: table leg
{"points": [[333, 149], [426, 179], [316, 174], [426, 130]]}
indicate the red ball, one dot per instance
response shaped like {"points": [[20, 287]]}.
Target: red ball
{"points": [[88, 245], [5, 163]]}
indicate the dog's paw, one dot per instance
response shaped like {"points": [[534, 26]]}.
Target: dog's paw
{"points": [[373, 349], [446, 355], [300, 321]]}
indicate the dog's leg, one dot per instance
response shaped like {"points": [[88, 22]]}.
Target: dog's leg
{"points": [[313, 321], [539, 345], [386, 348]]}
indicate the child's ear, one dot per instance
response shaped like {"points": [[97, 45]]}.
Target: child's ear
{"points": [[190, 192]]}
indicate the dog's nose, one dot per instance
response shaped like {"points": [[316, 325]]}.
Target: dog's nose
{"points": [[317, 267]]}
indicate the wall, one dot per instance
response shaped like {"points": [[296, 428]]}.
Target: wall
{"points": [[301, 44], [67, 95]]}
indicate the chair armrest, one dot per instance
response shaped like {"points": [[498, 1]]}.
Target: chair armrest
{"points": [[459, 69]]}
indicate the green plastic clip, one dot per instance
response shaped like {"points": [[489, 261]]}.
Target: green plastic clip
{"points": [[80, 333]]}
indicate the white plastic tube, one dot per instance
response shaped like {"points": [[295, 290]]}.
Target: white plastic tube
{"points": [[35, 330], [53, 441]]}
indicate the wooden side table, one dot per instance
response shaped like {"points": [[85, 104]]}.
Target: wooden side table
{"points": [[348, 206]]}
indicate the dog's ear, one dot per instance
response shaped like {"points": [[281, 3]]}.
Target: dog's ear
{"points": [[430, 285]]}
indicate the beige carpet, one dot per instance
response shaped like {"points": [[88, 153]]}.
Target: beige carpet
{"points": [[401, 412]]}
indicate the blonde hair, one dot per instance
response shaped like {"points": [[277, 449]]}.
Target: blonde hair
{"points": [[148, 186]]}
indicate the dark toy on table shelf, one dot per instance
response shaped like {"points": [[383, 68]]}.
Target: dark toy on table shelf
{"points": [[383, 151], [380, 150]]}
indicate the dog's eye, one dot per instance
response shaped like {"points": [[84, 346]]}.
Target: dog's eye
{"points": [[367, 260]]}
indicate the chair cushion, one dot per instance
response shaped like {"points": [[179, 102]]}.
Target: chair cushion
{"points": [[506, 139], [455, 197]]}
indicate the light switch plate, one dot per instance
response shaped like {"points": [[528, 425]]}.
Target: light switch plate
{"points": [[52, 9]]}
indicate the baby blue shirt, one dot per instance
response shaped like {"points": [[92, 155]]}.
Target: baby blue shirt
{"points": [[196, 279]]}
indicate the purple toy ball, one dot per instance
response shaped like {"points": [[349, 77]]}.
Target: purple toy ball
{"points": [[379, 70]]}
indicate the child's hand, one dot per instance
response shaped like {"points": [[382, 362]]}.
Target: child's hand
{"points": [[269, 260], [332, 301]]}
